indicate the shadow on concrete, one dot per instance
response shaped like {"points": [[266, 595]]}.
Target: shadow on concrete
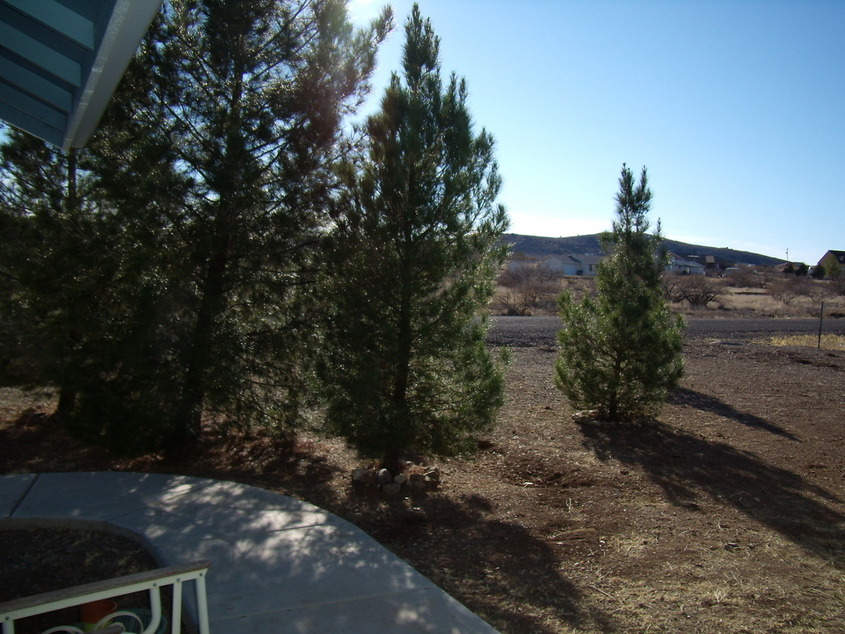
{"points": [[707, 403], [278, 564], [688, 467]]}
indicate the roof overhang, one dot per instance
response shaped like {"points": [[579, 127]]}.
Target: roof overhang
{"points": [[61, 61]]}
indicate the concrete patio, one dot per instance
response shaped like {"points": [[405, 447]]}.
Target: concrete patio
{"points": [[277, 564]]}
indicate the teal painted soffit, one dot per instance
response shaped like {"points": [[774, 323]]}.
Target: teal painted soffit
{"points": [[61, 61]]}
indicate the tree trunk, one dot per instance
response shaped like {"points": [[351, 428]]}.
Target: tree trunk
{"points": [[399, 414], [67, 395], [392, 462], [67, 403], [185, 429], [613, 401], [213, 296], [403, 360], [404, 347]]}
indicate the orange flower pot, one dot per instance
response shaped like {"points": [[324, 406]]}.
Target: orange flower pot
{"points": [[93, 612]]}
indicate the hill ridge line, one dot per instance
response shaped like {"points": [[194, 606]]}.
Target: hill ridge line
{"points": [[541, 246]]}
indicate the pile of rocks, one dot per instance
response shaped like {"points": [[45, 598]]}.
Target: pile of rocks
{"points": [[592, 417], [417, 481]]}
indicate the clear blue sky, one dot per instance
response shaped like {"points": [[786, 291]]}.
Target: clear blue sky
{"points": [[736, 107]]}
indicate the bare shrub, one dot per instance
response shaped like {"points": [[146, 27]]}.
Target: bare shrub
{"points": [[698, 290], [581, 287], [814, 289], [787, 289], [526, 289], [746, 277], [672, 287]]}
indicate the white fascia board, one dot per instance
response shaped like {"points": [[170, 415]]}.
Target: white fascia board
{"points": [[128, 24]]}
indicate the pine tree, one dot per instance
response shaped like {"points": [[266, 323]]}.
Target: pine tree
{"points": [[84, 237], [416, 251], [620, 352], [128, 402], [214, 169], [55, 270], [258, 94]]}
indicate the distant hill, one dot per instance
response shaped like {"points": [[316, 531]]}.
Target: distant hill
{"points": [[538, 247]]}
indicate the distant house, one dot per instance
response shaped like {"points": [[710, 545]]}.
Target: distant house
{"points": [[576, 265], [589, 264], [521, 261], [713, 266], [832, 261], [682, 266], [560, 264]]}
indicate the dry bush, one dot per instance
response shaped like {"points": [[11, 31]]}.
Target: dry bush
{"points": [[527, 289], [747, 277], [750, 301], [672, 287], [580, 287], [697, 290], [784, 290], [787, 289]]}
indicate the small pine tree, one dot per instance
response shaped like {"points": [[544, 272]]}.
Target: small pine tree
{"points": [[621, 351], [416, 251]]}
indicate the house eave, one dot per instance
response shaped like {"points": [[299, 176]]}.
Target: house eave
{"points": [[127, 26], [60, 62]]}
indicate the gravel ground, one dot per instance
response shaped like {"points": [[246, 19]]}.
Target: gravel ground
{"points": [[540, 331]]}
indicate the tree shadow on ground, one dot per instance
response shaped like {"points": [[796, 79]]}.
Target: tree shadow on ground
{"points": [[707, 403], [294, 469], [499, 569], [36, 443], [688, 467]]}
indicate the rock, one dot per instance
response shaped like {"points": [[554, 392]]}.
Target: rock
{"points": [[432, 475], [384, 476], [588, 417], [363, 476], [391, 488], [416, 481], [359, 475], [400, 479]]}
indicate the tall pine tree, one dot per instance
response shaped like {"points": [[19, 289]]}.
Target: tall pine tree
{"points": [[416, 251], [620, 353], [214, 170], [253, 94]]}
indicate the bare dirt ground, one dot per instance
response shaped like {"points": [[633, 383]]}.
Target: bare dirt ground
{"points": [[725, 515]]}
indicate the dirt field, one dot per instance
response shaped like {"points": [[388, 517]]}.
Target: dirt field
{"points": [[725, 515]]}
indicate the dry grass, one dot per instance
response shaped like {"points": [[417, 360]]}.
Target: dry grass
{"points": [[732, 301], [828, 342], [759, 303]]}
